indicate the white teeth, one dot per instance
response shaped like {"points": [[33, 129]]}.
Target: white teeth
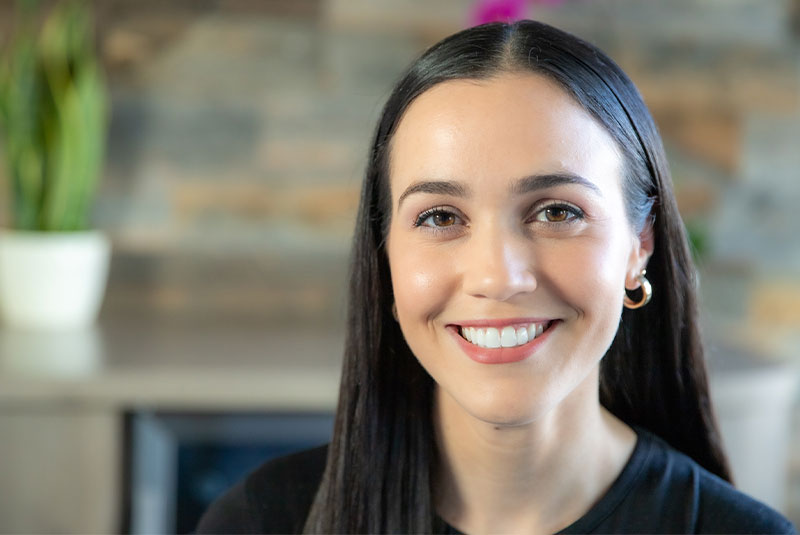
{"points": [[522, 335], [479, 337], [492, 338], [509, 336]]}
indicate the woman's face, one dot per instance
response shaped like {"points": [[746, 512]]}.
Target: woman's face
{"points": [[508, 229]]}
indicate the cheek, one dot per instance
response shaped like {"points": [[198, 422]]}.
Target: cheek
{"points": [[590, 275], [422, 280]]}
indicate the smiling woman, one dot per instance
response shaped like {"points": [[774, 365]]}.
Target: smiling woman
{"points": [[498, 377], [531, 238]]}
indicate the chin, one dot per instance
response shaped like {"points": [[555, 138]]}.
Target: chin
{"points": [[507, 408]]}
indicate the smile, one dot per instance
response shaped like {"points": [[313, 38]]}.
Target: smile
{"points": [[507, 336]]}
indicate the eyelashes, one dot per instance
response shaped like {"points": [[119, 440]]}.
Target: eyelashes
{"points": [[553, 214], [438, 217], [558, 212]]}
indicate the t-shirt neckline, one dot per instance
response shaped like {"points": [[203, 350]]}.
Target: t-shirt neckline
{"points": [[614, 496]]}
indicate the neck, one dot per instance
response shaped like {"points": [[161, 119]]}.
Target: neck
{"points": [[533, 478]]}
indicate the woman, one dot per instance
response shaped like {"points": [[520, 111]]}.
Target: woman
{"points": [[497, 377]]}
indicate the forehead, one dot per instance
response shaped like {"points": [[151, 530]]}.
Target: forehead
{"points": [[500, 129]]}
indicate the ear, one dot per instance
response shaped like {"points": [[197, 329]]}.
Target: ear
{"points": [[643, 246]]}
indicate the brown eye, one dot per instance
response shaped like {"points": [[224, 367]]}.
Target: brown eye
{"points": [[559, 213], [556, 214], [443, 219], [438, 218]]}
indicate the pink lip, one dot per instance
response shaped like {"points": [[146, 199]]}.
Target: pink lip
{"points": [[500, 355]]}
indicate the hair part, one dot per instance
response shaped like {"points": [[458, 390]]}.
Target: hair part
{"points": [[383, 455]]}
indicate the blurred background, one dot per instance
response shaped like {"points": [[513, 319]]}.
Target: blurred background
{"points": [[238, 136]]}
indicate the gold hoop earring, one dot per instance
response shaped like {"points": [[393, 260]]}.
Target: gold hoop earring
{"points": [[394, 311], [647, 293]]}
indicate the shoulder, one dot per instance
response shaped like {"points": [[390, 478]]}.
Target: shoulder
{"points": [[728, 510], [274, 498], [704, 502]]}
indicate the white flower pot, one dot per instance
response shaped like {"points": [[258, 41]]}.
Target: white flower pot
{"points": [[52, 280]]}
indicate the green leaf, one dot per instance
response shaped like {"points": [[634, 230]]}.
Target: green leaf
{"points": [[53, 119]]}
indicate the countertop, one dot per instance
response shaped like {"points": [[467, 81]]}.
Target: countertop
{"points": [[171, 363]]}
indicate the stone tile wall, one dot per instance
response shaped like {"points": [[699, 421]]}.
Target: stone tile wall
{"points": [[240, 131]]}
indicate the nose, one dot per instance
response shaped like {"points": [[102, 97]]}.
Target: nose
{"points": [[498, 265]]}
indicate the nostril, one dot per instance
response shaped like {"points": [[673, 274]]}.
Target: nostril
{"points": [[501, 287]]}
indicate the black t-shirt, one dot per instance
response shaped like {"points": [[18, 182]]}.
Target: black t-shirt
{"points": [[659, 491]]}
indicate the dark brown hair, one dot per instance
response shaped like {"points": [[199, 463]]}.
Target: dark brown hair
{"points": [[378, 474]]}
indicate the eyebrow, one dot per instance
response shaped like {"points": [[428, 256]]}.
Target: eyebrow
{"points": [[551, 180], [523, 185], [435, 187]]}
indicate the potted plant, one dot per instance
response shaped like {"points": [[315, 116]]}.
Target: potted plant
{"points": [[53, 125]]}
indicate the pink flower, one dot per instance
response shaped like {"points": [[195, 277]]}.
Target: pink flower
{"points": [[497, 10], [503, 10]]}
